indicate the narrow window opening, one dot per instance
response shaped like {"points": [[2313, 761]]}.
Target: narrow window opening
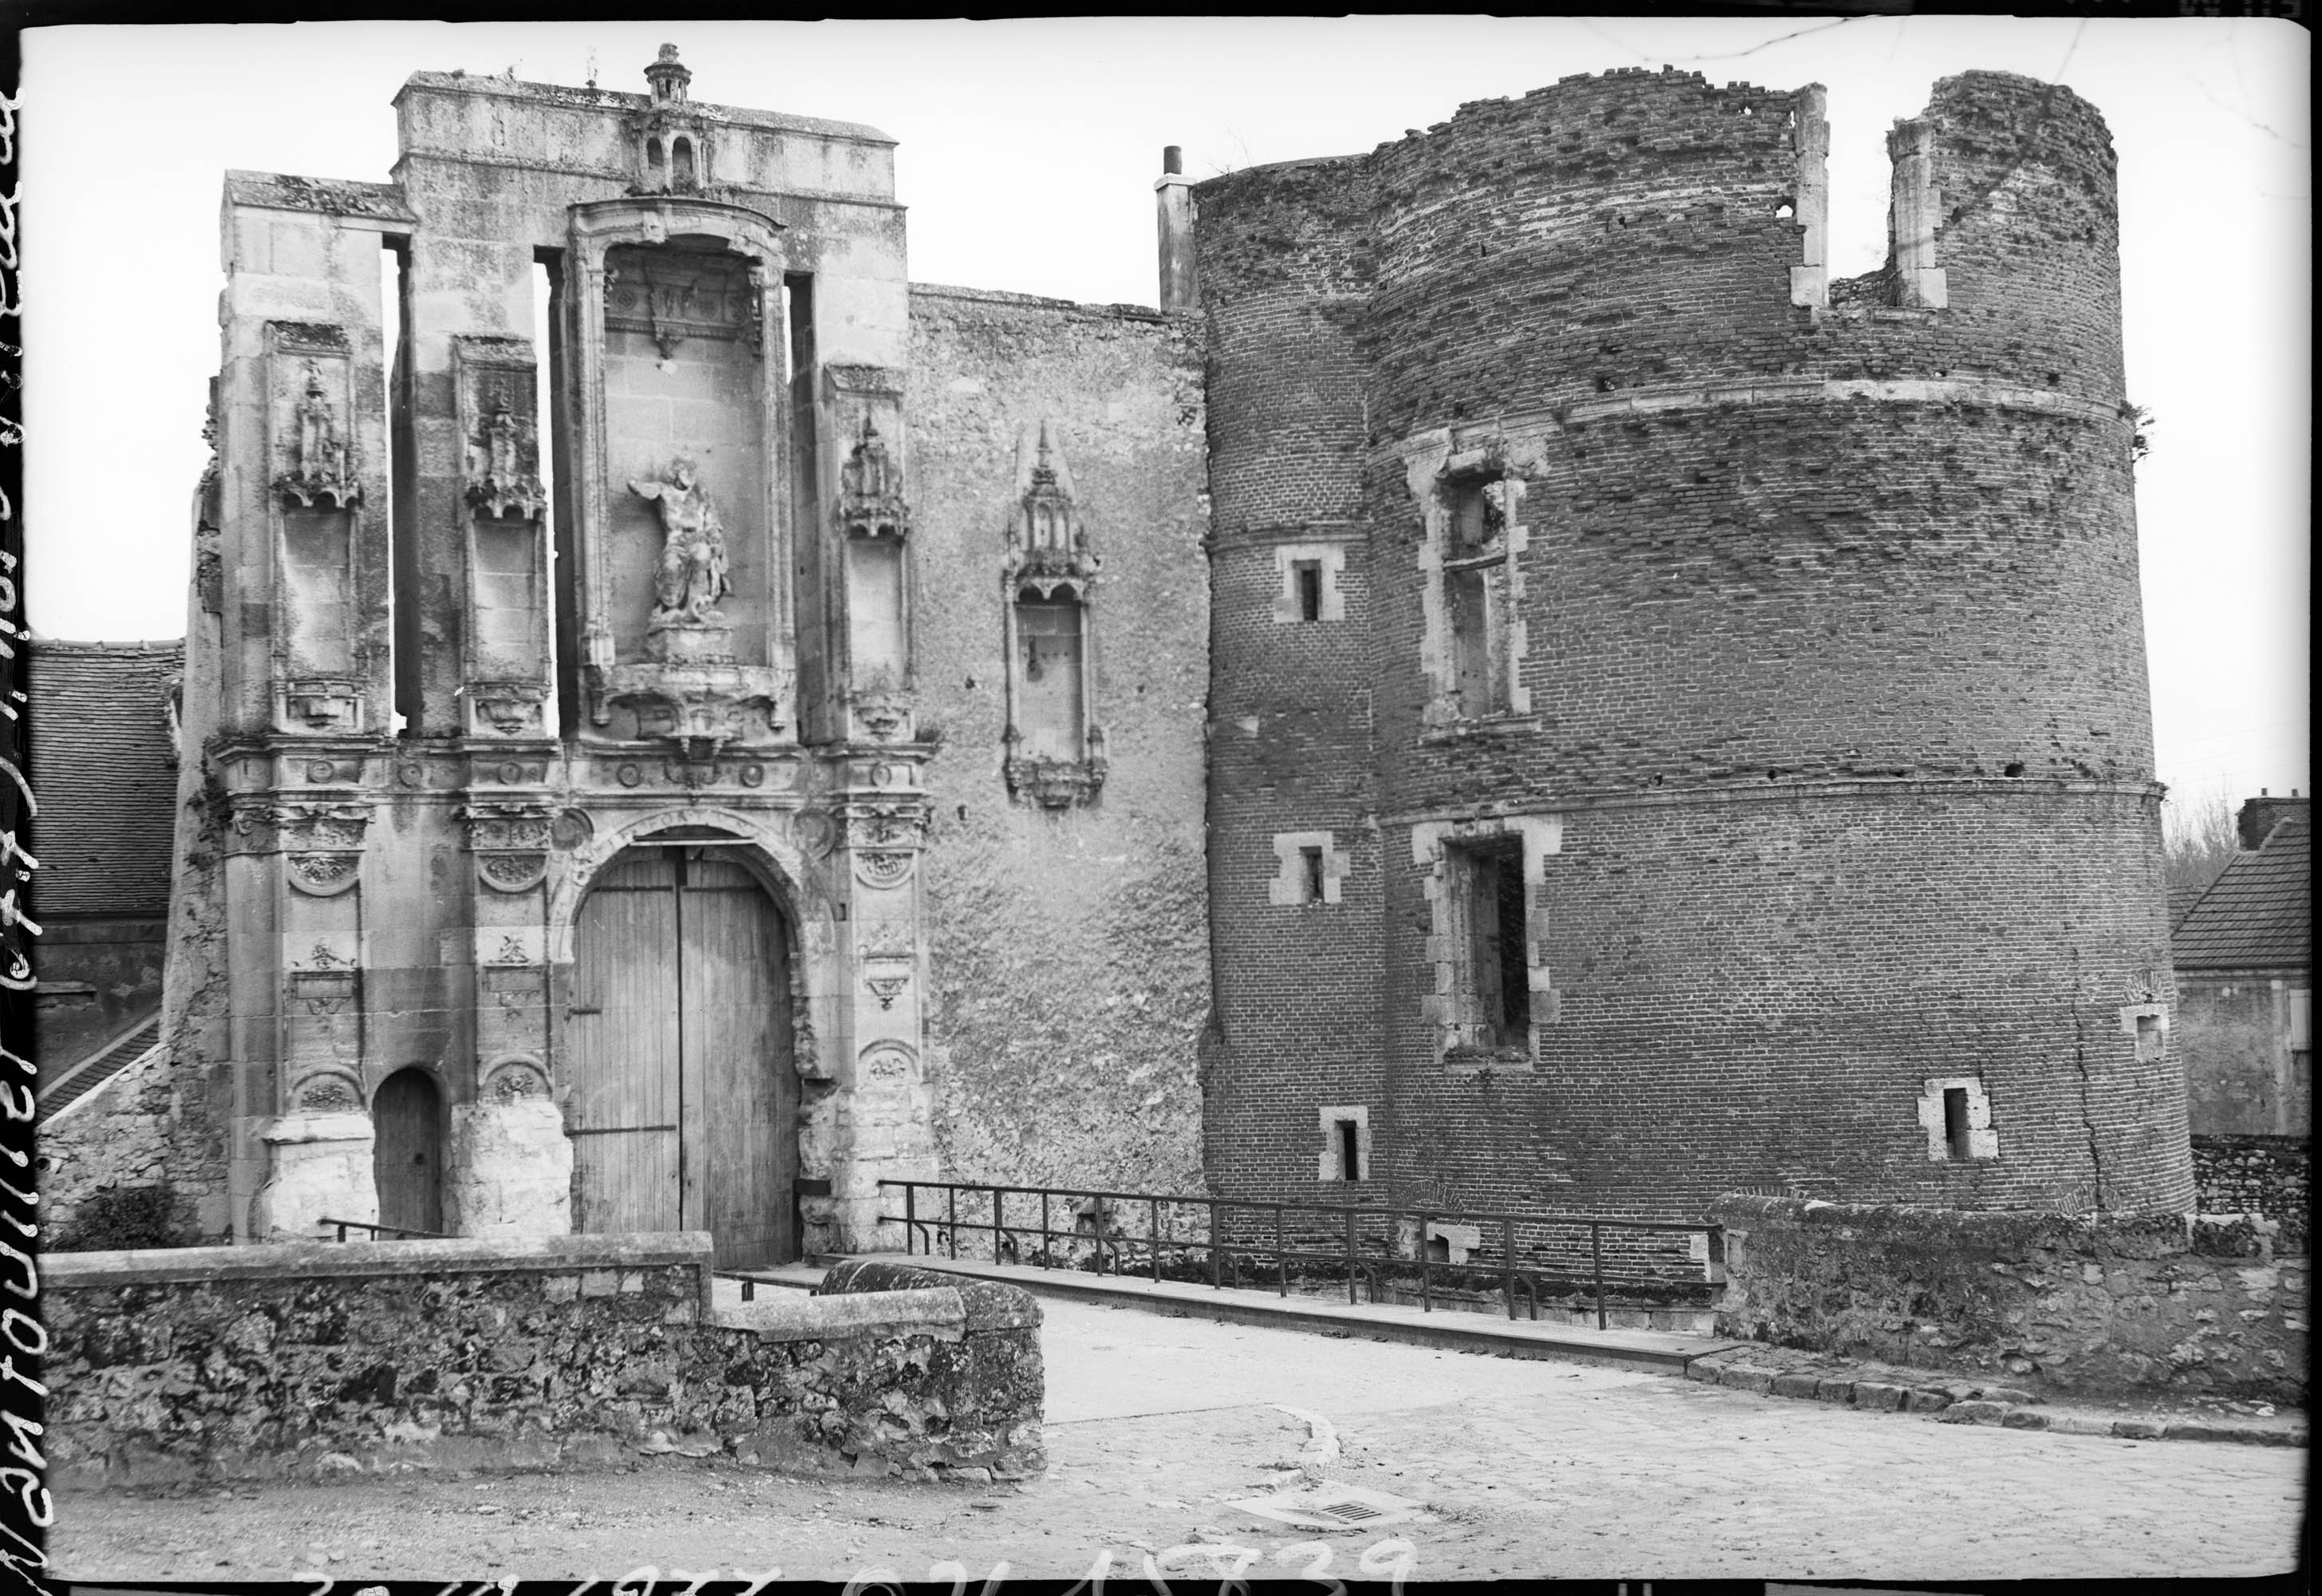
{"points": [[1786, 210], [1310, 864], [403, 542], [549, 334], [1309, 575], [681, 163], [1498, 958], [1050, 709], [1955, 1123], [1351, 1151], [654, 165]]}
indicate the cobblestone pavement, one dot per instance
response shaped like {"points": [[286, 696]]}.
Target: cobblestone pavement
{"points": [[1157, 1425]]}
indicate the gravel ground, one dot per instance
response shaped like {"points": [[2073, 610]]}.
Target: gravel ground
{"points": [[1158, 1425]]}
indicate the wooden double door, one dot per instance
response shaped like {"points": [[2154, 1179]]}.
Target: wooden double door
{"points": [[682, 1095]]}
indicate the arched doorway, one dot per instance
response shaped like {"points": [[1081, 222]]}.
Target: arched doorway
{"points": [[681, 1093], [406, 1150]]}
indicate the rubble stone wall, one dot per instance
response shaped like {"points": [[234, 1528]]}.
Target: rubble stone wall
{"points": [[2253, 1174], [1068, 954], [312, 1359], [2089, 1304]]}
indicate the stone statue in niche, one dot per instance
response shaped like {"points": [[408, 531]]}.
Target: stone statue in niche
{"points": [[693, 550], [687, 628]]}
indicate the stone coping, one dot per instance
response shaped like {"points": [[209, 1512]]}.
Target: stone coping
{"points": [[986, 1303], [68, 1271], [2134, 1234], [933, 1311]]}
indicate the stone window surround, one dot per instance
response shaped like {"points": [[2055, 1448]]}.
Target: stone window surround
{"points": [[1326, 1168], [1331, 558], [1288, 888], [1982, 1140], [1448, 1007], [1432, 480]]}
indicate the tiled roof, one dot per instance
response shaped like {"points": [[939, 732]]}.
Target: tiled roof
{"points": [[105, 776], [2181, 900], [2259, 914]]}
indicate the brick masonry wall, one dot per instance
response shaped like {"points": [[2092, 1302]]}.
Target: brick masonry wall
{"points": [[1069, 956], [2096, 1304], [311, 1359], [1282, 266], [2257, 1174], [1832, 644]]}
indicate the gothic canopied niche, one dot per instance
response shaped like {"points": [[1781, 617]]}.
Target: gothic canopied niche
{"points": [[874, 526], [505, 674], [1055, 748], [316, 507]]}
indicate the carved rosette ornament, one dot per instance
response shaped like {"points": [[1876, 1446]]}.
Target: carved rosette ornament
{"points": [[323, 875], [331, 1091], [883, 868], [514, 1080], [886, 1063]]}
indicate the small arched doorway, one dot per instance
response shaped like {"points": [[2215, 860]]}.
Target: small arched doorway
{"points": [[406, 1150], [682, 1091]]}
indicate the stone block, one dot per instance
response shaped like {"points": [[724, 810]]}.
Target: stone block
{"points": [[2080, 1423], [2005, 1393], [1796, 1383], [2138, 1429], [1973, 1412], [1879, 1396], [1838, 1390], [599, 1282], [1744, 1377], [2024, 1419]]}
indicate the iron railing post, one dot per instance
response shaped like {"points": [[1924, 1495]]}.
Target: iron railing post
{"points": [[1046, 1238], [910, 1213], [1426, 1256], [1596, 1262], [1350, 1258], [1281, 1256], [1156, 1240], [1100, 1232], [1508, 1261], [995, 1224], [951, 1220], [1217, 1258]]}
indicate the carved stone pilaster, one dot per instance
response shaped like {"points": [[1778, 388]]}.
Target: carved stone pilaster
{"points": [[511, 842]]}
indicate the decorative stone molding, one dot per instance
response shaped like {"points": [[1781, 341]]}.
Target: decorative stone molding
{"points": [[507, 708], [1048, 541], [887, 1062], [328, 1091], [1329, 562], [512, 872], [320, 704], [322, 875], [871, 823], [1056, 783], [265, 825], [502, 826], [498, 380], [1290, 884], [499, 947], [883, 868], [512, 1078], [881, 710], [702, 707], [886, 979]]}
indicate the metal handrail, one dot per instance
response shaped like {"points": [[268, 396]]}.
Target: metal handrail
{"points": [[394, 1232], [1004, 1235]]}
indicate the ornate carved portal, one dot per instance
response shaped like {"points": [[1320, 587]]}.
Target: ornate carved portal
{"points": [[1055, 749]]}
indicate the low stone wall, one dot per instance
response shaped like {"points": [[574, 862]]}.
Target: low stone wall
{"points": [[2254, 1174], [2093, 1305], [314, 1359], [116, 1138]]}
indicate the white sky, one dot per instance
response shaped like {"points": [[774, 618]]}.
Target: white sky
{"points": [[1028, 154]]}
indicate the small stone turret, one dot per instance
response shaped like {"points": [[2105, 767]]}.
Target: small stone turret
{"points": [[668, 77]]}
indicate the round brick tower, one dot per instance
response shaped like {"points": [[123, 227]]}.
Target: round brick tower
{"points": [[1751, 667]]}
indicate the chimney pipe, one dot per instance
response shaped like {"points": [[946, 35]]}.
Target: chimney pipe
{"points": [[1173, 209]]}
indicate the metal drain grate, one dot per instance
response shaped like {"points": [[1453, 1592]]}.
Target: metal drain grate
{"points": [[1333, 1507]]}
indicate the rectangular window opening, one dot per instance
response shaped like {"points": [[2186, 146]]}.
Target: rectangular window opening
{"points": [[402, 533], [1309, 576], [1472, 597], [1351, 1151], [1310, 864], [1955, 1123], [1499, 967]]}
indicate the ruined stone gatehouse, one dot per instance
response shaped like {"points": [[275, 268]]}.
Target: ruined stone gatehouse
{"points": [[1511, 688]]}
